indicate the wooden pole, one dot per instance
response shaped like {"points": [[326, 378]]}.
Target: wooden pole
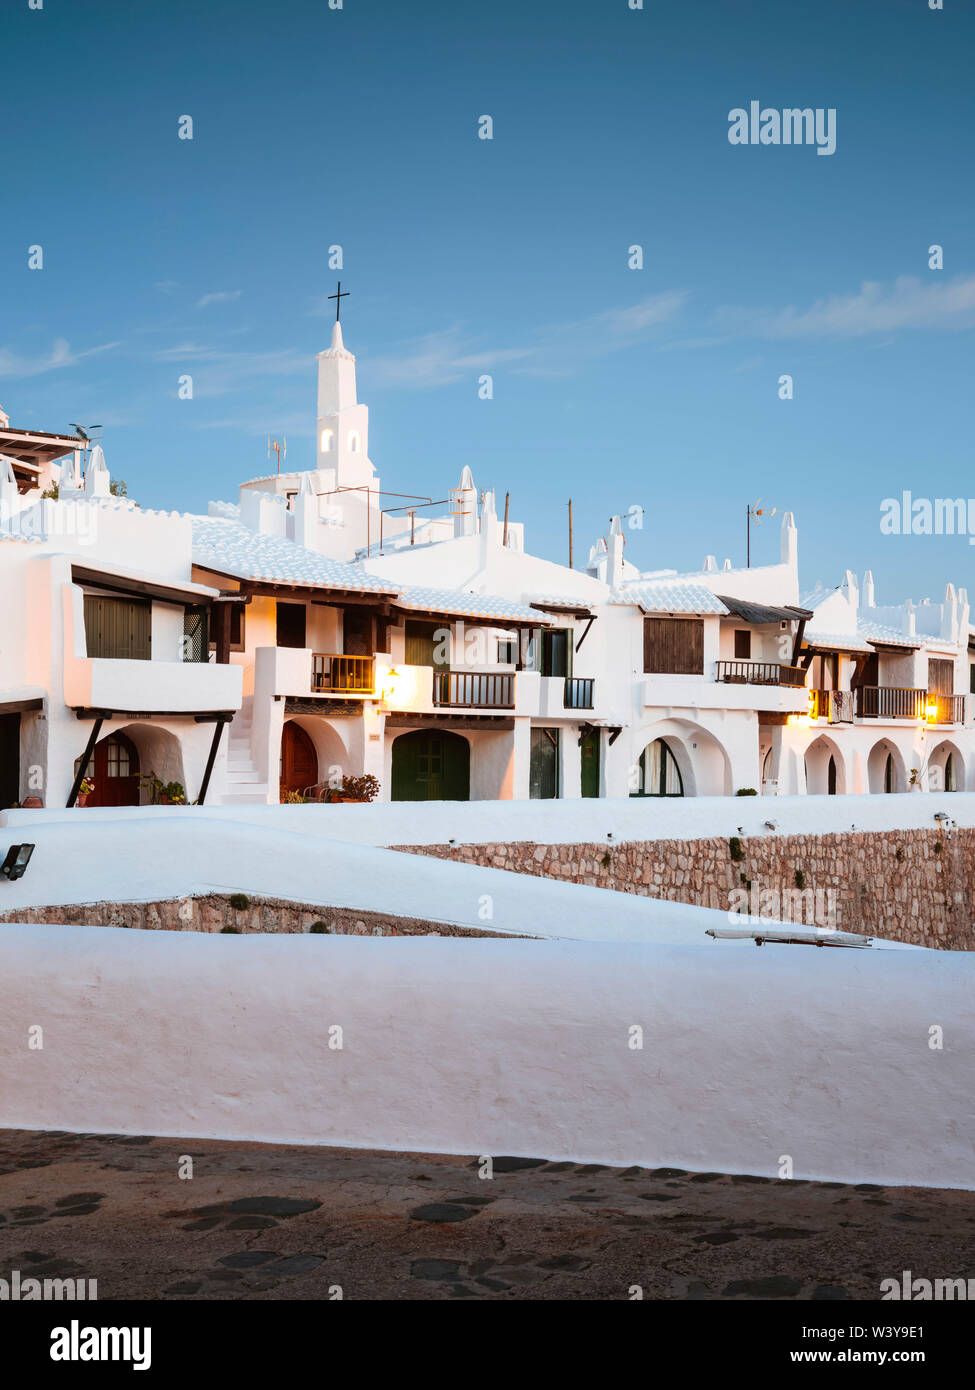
{"points": [[570, 533], [507, 504]]}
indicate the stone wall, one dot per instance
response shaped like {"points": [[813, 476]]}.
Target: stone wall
{"points": [[213, 912], [912, 885]]}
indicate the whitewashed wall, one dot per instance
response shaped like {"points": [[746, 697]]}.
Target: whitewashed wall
{"points": [[500, 1047]]}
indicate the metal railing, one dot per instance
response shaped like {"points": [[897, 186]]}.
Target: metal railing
{"points": [[473, 690], [342, 675], [759, 673], [578, 692]]}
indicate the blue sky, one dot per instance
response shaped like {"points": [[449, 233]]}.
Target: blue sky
{"points": [[612, 386]]}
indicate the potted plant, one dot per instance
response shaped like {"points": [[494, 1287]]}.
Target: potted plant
{"points": [[173, 794], [365, 788], [85, 791]]}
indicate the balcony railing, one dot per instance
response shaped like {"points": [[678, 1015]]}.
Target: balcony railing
{"points": [[948, 709], [578, 692], [890, 702], [342, 675], [473, 690], [759, 673]]}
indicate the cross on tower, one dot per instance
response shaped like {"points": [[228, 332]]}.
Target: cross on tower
{"points": [[338, 299]]}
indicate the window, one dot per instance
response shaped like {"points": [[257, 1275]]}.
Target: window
{"points": [[507, 651], [951, 784], [554, 653], [118, 628], [659, 773], [543, 773], [890, 776], [353, 441], [673, 646], [327, 437], [290, 625], [743, 644], [971, 679], [941, 677]]}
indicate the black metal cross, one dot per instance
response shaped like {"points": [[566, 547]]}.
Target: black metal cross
{"points": [[338, 299]]}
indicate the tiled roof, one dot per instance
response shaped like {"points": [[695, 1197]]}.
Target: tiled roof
{"points": [[837, 641], [673, 597], [815, 597], [230, 548], [466, 604], [888, 636]]}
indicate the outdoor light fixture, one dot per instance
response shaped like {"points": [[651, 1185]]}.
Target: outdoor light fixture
{"points": [[930, 711], [941, 815], [15, 864], [389, 684]]}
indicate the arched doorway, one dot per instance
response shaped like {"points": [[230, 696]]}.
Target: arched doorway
{"points": [[946, 769], [659, 774], [825, 768], [431, 765], [114, 770], [885, 769], [299, 761]]}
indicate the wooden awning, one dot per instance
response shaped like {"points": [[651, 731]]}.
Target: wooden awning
{"points": [[37, 447]]}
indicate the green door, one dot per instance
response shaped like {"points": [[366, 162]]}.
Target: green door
{"points": [[543, 771], [589, 747], [431, 765]]}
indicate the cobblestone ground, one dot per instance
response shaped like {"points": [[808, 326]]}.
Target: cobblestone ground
{"points": [[264, 1221]]}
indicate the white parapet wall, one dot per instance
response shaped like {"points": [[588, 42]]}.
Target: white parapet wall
{"points": [[751, 1058]]}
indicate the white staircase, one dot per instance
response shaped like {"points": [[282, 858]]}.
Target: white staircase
{"points": [[243, 786]]}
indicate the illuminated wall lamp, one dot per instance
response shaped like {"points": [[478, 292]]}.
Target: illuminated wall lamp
{"points": [[15, 864], [389, 683]]}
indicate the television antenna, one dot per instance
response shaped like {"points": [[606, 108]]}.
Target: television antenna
{"points": [[757, 511]]}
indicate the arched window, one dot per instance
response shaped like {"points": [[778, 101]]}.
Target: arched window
{"points": [[951, 784], [353, 441], [890, 776], [327, 437], [831, 776], [659, 773]]}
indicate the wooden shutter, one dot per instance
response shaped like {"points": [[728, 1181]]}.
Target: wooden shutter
{"points": [[118, 628], [941, 677], [673, 646]]}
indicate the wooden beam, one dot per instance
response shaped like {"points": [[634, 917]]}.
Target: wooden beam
{"points": [[79, 776]]}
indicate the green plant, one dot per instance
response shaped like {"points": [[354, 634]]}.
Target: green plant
{"points": [[174, 792], [151, 785], [938, 846], [117, 488], [899, 854], [746, 791], [291, 798], [606, 860], [319, 929], [799, 878], [87, 787], [736, 850], [239, 901]]}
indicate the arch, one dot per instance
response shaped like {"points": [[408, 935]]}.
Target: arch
{"points": [[702, 761], [659, 772], [946, 768], [886, 771], [431, 765], [825, 768], [333, 757], [299, 759], [353, 441], [326, 441]]}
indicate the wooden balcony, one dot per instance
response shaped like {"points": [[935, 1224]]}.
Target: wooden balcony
{"points": [[948, 709], [578, 692], [890, 702], [473, 690], [759, 673], [335, 674]]}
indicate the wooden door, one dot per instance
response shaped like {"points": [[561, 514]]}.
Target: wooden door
{"points": [[290, 625], [543, 771], [114, 769], [590, 763], [431, 765], [423, 642], [299, 761]]}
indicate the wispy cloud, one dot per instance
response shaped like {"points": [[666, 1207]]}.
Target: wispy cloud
{"points": [[219, 371], [438, 359], [907, 304], [167, 286], [12, 365], [218, 297]]}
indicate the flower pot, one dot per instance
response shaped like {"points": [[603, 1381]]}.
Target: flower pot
{"points": [[83, 798]]}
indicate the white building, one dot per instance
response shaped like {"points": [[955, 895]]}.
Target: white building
{"points": [[335, 629]]}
